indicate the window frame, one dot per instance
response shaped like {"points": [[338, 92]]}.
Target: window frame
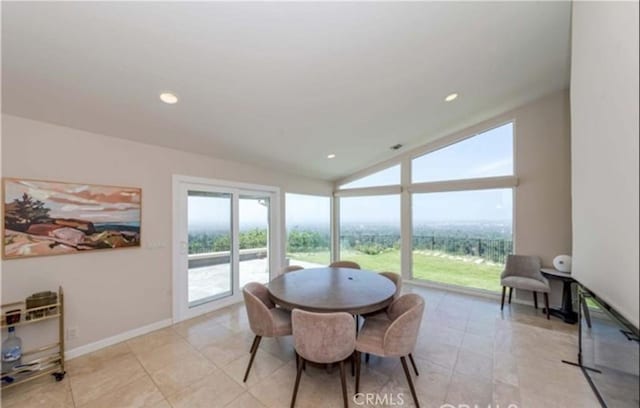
{"points": [[407, 187]]}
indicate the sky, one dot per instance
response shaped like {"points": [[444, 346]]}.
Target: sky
{"points": [[488, 154]]}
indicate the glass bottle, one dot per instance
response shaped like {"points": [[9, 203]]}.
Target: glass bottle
{"points": [[11, 350]]}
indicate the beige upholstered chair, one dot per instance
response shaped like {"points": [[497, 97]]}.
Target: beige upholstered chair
{"points": [[344, 264], [323, 338], [393, 337], [292, 268], [523, 272], [265, 319], [397, 280]]}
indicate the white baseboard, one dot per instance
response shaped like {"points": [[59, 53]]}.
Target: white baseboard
{"points": [[467, 291], [118, 338]]}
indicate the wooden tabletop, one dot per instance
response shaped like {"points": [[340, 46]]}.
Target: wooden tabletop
{"points": [[348, 290]]}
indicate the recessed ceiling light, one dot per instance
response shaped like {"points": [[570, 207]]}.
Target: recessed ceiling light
{"points": [[451, 97], [331, 156], [168, 97]]}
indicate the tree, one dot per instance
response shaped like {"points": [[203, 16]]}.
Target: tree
{"points": [[25, 211]]}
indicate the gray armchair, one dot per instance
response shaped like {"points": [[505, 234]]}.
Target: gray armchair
{"points": [[523, 272]]}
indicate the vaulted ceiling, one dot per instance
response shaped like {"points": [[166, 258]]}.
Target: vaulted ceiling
{"points": [[280, 84]]}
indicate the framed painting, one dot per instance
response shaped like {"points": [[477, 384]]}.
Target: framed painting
{"points": [[53, 218]]}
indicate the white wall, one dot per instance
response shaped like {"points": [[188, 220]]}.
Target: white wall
{"points": [[110, 292], [604, 137]]}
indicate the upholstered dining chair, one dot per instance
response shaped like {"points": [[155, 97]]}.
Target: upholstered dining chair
{"points": [[397, 280], [344, 264], [292, 268], [393, 337], [265, 319], [323, 338], [523, 272]]}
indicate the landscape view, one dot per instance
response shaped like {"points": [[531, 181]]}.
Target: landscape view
{"points": [[470, 254]]}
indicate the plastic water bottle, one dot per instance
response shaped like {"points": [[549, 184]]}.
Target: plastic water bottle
{"points": [[11, 350]]}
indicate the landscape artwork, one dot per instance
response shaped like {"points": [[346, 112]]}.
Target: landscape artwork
{"points": [[51, 218]]}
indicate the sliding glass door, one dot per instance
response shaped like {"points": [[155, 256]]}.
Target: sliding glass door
{"points": [[223, 239]]}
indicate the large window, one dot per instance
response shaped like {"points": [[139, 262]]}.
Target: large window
{"points": [[370, 232], [488, 154], [387, 177], [308, 220], [462, 237]]}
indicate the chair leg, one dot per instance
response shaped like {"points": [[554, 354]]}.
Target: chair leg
{"points": [[413, 363], [535, 300], [585, 311], [408, 375], [357, 371], [253, 355], [546, 305], [253, 345], [510, 293], [353, 362], [504, 292], [295, 387], [343, 380]]}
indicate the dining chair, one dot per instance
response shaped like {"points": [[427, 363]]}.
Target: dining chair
{"points": [[344, 264], [397, 281], [265, 319], [323, 338], [292, 268], [523, 272], [393, 337]]}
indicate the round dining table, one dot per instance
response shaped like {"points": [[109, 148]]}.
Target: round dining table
{"points": [[354, 291]]}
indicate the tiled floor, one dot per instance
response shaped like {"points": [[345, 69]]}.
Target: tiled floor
{"points": [[468, 352]]}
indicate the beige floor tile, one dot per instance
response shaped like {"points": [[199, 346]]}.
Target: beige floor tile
{"points": [[275, 390], [112, 376], [444, 355], [506, 395], [474, 364], [469, 390], [174, 353], [203, 335], [160, 404], [482, 344], [280, 347], [245, 400], [97, 360], [505, 368], [153, 340], [136, 394], [213, 390], [175, 377], [263, 366], [231, 347], [40, 393]]}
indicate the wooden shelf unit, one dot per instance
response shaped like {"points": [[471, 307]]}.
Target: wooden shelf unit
{"points": [[51, 363]]}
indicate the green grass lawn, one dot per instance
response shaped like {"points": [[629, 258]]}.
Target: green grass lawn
{"points": [[441, 268]]}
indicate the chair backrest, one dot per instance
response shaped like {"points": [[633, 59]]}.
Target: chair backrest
{"points": [[524, 266], [401, 335], [323, 337], [292, 268], [258, 304], [344, 264], [396, 279]]}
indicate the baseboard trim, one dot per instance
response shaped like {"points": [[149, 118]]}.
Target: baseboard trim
{"points": [[467, 291], [118, 338]]}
